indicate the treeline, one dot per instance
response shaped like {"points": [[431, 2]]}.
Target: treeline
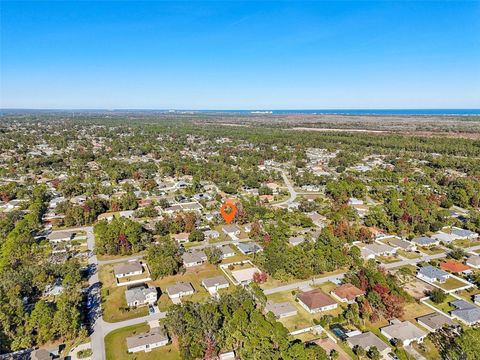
{"points": [[234, 322], [27, 318]]}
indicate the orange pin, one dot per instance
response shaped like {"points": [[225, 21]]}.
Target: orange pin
{"points": [[228, 211]]}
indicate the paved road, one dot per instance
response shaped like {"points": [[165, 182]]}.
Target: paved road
{"points": [[100, 328], [291, 190], [316, 281]]}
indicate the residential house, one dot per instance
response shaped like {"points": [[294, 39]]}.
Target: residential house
{"points": [[435, 321], [227, 251], [432, 274], [211, 234], [445, 237], [180, 289], [141, 295], [130, 268], [244, 276], [249, 248], [59, 236], [215, 283], [403, 331], [281, 310], [147, 341], [231, 230], [347, 293], [317, 219], [370, 251], [464, 234], [316, 300], [466, 312], [193, 258], [474, 261], [402, 244], [181, 237], [296, 240], [425, 241], [454, 266], [227, 356], [368, 340]]}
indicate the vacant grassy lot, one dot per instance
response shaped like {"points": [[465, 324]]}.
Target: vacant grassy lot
{"points": [[273, 283], [114, 304], [388, 259], [465, 243], [414, 310], [116, 346], [451, 284], [408, 254], [432, 250]]}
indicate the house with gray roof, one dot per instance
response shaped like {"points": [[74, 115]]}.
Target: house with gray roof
{"points": [[249, 248], [281, 310], [227, 251], [147, 341], [193, 258], [431, 274], [445, 237], [425, 241], [435, 321], [403, 331], [466, 312], [215, 283], [402, 244], [130, 268], [141, 295], [180, 289], [366, 341], [464, 234], [231, 230], [296, 240], [369, 251], [474, 261]]}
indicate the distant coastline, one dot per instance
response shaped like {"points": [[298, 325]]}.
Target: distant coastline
{"points": [[439, 112]]}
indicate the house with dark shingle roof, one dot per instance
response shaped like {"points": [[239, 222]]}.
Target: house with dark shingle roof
{"points": [[347, 293], [435, 321], [315, 301]]}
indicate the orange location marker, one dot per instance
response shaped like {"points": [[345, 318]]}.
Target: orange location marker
{"points": [[228, 211]]}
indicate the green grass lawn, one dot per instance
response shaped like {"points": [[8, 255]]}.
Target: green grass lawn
{"points": [[113, 298], [273, 283], [465, 243], [451, 284], [388, 259], [444, 306], [116, 346], [414, 310], [433, 250], [428, 349], [469, 293], [408, 254]]}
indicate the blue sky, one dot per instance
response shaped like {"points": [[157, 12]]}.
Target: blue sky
{"points": [[240, 55]]}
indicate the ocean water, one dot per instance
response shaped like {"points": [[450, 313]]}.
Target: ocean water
{"points": [[360, 111]]}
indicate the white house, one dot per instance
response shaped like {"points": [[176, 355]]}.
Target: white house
{"points": [[147, 341], [215, 283], [405, 332], [130, 268], [141, 295], [180, 289], [433, 274]]}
